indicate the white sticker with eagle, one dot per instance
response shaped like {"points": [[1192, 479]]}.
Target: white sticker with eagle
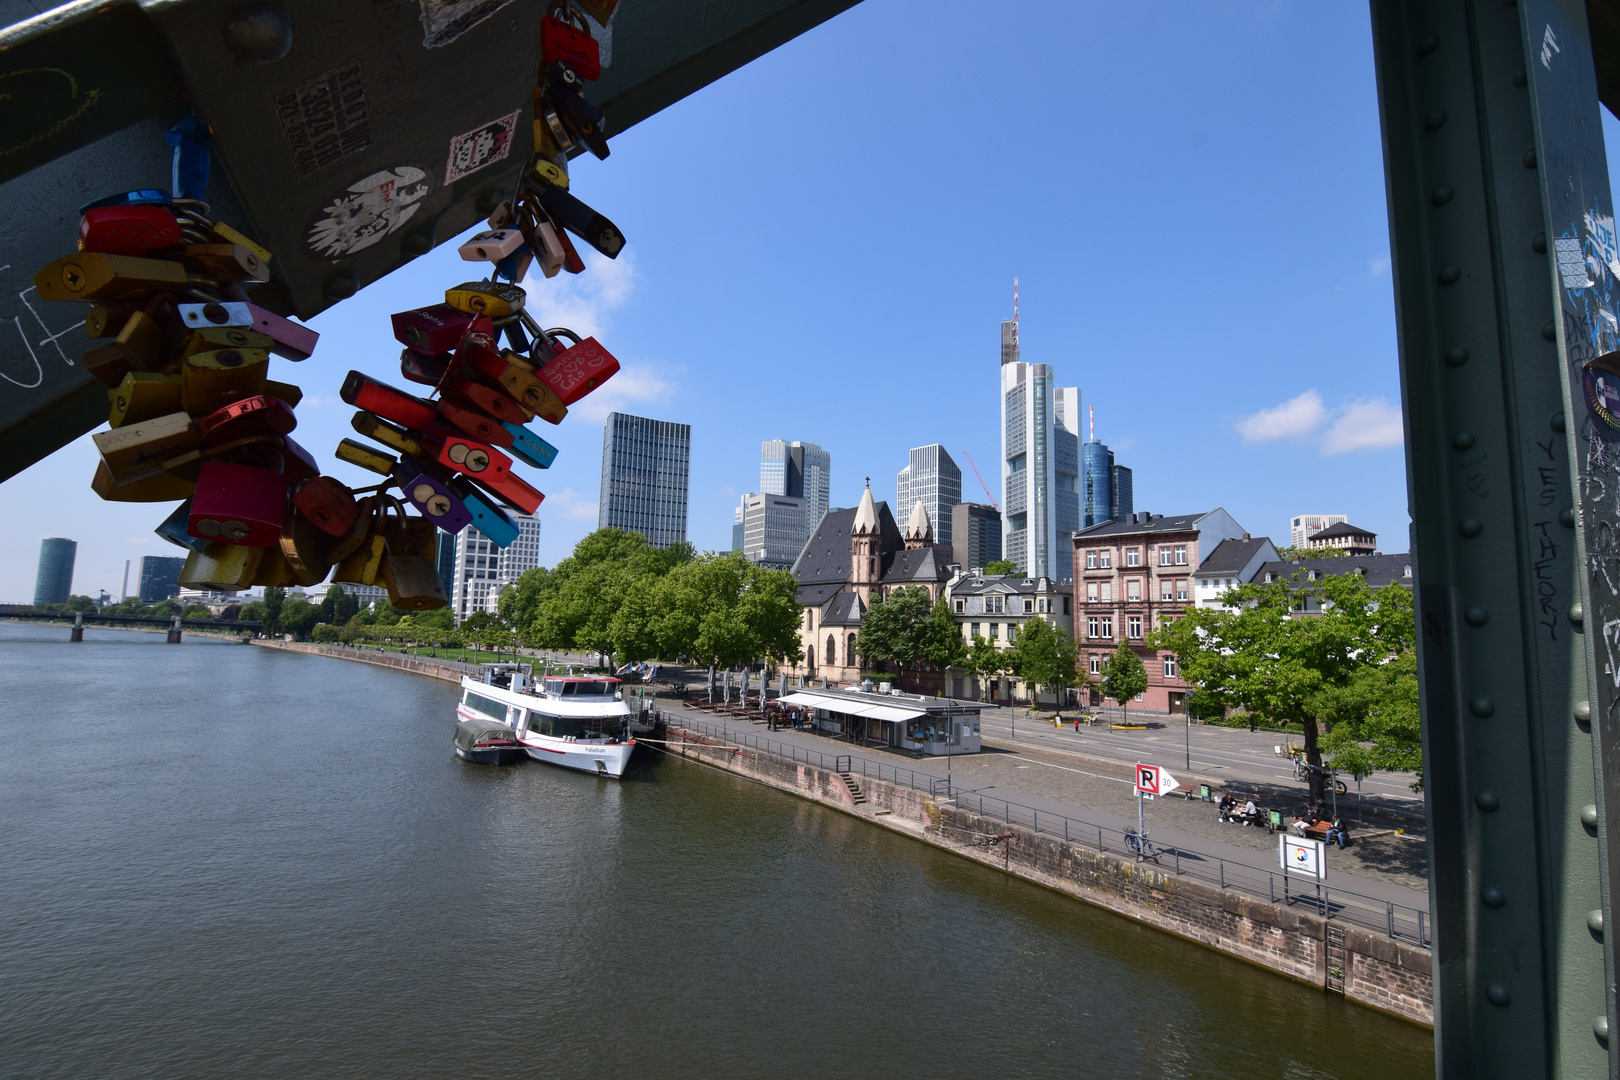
{"points": [[368, 210]]}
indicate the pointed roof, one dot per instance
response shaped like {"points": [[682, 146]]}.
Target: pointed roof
{"points": [[919, 527], [866, 513]]}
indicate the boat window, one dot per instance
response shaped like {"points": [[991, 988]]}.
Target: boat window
{"points": [[488, 706], [589, 689]]}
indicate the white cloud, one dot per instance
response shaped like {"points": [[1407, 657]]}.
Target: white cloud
{"points": [[581, 302], [570, 505], [1378, 267], [1369, 424], [1293, 419], [634, 386]]}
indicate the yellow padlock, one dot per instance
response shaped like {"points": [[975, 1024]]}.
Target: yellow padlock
{"points": [[137, 451], [390, 436], [226, 262], [365, 457], [407, 570], [274, 569], [209, 338], [222, 566], [231, 236], [364, 561], [211, 380], [493, 298], [287, 392], [140, 345], [143, 396], [95, 275], [162, 487]]}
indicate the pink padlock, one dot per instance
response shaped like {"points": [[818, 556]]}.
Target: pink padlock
{"points": [[575, 372], [544, 243], [238, 504]]}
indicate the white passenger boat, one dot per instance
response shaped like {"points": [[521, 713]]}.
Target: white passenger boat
{"points": [[576, 721]]}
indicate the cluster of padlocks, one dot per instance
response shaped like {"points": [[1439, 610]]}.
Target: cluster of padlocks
{"points": [[195, 417]]}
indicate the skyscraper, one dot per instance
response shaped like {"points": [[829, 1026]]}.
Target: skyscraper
{"points": [[1040, 464], [773, 530], [645, 471], [480, 570], [1124, 496], [54, 580], [977, 528], [933, 479], [1098, 465], [160, 578], [1302, 527], [799, 470]]}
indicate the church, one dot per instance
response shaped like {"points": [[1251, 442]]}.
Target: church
{"points": [[852, 556]]}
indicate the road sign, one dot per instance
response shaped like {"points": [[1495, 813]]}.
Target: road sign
{"points": [[1307, 858], [1152, 780]]}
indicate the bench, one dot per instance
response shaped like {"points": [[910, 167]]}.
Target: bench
{"points": [[1318, 830]]}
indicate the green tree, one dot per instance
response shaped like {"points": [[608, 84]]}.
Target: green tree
{"points": [[298, 618], [897, 627], [1001, 566], [944, 646], [1123, 677], [986, 661], [572, 606], [1295, 554], [196, 611], [720, 610], [1044, 657], [252, 611], [275, 597]]}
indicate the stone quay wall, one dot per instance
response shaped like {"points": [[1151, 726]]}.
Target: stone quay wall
{"points": [[1380, 972], [415, 665]]}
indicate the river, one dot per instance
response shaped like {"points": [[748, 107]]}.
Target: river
{"points": [[219, 860]]}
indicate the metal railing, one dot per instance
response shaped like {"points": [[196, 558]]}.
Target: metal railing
{"points": [[1399, 921]]}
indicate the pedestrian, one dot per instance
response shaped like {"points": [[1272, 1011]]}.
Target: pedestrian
{"points": [[1336, 833], [1077, 725]]}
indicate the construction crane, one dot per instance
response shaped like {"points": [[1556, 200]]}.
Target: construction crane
{"points": [[982, 484]]}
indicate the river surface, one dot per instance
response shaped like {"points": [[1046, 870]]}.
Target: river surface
{"points": [[222, 861]]}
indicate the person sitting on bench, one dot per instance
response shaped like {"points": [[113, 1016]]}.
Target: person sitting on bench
{"points": [[1337, 833]]}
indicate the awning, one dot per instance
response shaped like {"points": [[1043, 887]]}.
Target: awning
{"points": [[892, 714]]}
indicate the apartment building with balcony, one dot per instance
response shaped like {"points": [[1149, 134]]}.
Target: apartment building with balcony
{"points": [[1129, 577]]}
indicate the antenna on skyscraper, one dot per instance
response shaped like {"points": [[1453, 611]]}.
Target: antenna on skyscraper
{"points": [[1015, 311], [1093, 410]]}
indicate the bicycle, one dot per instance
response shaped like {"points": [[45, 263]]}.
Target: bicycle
{"points": [[1140, 846]]}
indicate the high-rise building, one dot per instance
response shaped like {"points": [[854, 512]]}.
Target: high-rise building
{"points": [[54, 580], [737, 529], [160, 578], [1040, 464], [1123, 502], [646, 466], [1097, 465], [977, 529], [799, 470], [480, 570], [933, 479], [1304, 526], [446, 563], [772, 530]]}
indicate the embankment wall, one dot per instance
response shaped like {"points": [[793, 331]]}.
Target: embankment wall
{"points": [[414, 665]]}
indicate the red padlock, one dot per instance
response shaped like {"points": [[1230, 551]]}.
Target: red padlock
{"points": [[491, 468], [299, 464], [472, 422], [496, 403], [128, 230], [364, 392], [433, 330], [328, 504], [560, 41], [575, 372], [422, 368], [571, 260], [256, 415], [238, 504]]}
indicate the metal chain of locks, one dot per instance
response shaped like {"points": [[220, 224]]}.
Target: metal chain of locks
{"points": [[195, 417]]}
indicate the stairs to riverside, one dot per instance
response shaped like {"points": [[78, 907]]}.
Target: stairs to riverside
{"points": [[855, 791]]}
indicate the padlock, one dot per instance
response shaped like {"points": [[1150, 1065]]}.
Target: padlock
{"points": [[363, 558], [209, 338], [547, 248], [515, 266], [299, 464], [105, 320], [364, 392], [143, 396], [503, 216], [571, 260], [474, 423], [530, 448], [143, 197], [434, 499], [486, 399], [364, 456], [128, 230], [211, 380], [221, 566], [274, 571], [293, 341], [585, 122], [137, 451], [493, 298], [516, 377], [593, 228], [359, 529], [575, 372], [600, 10], [487, 515], [546, 143], [141, 345], [215, 313], [433, 330], [407, 569], [231, 236], [560, 41], [380, 430], [492, 469], [256, 415], [511, 490], [328, 503], [159, 487], [307, 549], [173, 529], [238, 504], [491, 245], [287, 392], [226, 262], [547, 172], [422, 368], [94, 275]]}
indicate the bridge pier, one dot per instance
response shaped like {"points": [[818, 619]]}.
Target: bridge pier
{"points": [[174, 632], [78, 626]]}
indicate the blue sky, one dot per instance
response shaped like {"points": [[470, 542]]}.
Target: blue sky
{"points": [[822, 247]]}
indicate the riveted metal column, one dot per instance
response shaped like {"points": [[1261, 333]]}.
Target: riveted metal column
{"points": [[1512, 872]]}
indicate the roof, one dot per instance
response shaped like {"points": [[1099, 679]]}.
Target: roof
{"points": [[844, 609], [916, 564], [1343, 528], [866, 513], [1008, 584], [825, 558], [1145, 523], [918, 527], [1379, 570], [1231, 556]]}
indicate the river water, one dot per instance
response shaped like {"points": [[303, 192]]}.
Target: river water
{"points": [[218, 860]]}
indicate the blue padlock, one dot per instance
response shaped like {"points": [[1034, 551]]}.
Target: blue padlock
{"points": [[530, 448]]}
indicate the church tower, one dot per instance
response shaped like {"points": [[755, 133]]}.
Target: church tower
{"points": [[919, 530], [865, 547]]}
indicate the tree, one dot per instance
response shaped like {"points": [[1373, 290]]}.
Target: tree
{"points": [[1123, 677], [274, 598], [720, 609], [897, 627], [1044, 657], [1295, 554], [986, 661], [572, 606], [196, 611], [1000, 566], [943, 646], [298, 618]]}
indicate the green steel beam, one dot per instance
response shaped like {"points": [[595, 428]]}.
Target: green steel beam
{"points": [[1476, 130]]}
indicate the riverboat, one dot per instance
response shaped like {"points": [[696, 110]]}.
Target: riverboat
{"points": [[576, 721]]}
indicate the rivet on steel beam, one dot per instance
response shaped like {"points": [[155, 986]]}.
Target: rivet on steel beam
{"points": [[1470, 527], [1594, 921], [1497, 994], [1589, 816], [1576, 612], [1458, 356], [1600, 1028], [260, 34], [1482, 707], [1435, 120], [1448, 275], [1487, 800], [1566, 518], [1428, 45], [1529, 158], [1549, 331], [1539, 243], [1463, 440], [342, 285], [1582, 712], [1557, 422], [1477, 616], [1492, 896], [1442, 195]]}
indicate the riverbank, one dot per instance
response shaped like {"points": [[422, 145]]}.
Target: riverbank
{"points": [[443, 670]]}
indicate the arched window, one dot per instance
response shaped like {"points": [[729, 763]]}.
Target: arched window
{"points": [[809, 618], [849, 651], [810, 658], [832, 650]]}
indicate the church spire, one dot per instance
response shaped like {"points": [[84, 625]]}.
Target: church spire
{"points": [[919, 530], [866, 513]]}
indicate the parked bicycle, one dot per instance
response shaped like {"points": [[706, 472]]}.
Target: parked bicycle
{"points": [[1139, 845]]}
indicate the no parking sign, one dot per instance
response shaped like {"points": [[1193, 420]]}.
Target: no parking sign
{"points": [[1152, 780]]}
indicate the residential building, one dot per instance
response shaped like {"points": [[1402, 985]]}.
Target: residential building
{"points": [[160, 578], [799, 470], [1132, 575], [215, 600], [994, 607], [1231, 563], [852, 556], [773, 530], [1344, 537], [1040, 464], [646, 466], [1379, 570], [53, 581], [975, 534], [480, 570], [1305, 526], [932, 478]]}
